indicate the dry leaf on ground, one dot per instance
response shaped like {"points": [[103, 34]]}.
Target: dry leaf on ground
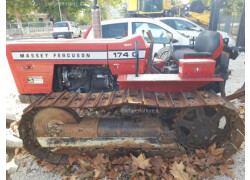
{"points": [[112, 174], [224, 169], [157, 164], [99, 159], [177, 170], [215, 152], [49, 167], [140, 162]]}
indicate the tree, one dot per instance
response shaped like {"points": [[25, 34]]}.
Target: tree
{"points": [[107, 4], [104, 5], [69, 8], [17, 10]]}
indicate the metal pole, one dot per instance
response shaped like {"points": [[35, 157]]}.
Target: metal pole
{"points": [[29, 28], [11, 30], [136, 59], [59, 10], [240, 42]]}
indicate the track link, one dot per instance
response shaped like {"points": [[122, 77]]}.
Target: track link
{"points": [[75, 103]]}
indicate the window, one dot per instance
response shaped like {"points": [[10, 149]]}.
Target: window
{"points": [[183, 25], [115, 30], [151, 5], [159, 34], [179, 24], [169, 22], [61, 24]]}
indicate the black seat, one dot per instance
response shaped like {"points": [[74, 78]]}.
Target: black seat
{"points": [[209, 44]]}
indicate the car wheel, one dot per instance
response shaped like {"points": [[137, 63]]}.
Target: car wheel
{"points": [[80, 35], [71, 36], [55, 37]]}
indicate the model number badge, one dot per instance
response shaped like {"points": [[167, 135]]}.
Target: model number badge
{"points": [[35, 80]]}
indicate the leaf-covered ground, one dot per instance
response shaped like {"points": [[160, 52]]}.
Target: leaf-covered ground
{"points": [[202, 164]]}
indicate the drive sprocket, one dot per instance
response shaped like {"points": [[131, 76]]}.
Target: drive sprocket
{"points": [[200, 127]]}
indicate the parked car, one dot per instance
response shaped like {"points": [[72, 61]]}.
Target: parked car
{"points": [[189, 28], [66, 29], [118, 28]]}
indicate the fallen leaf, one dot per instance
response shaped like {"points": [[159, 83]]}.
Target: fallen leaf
{"points": [[101, 176], [198, 162], [65, 177], [61, 169], [112, 174], [215, 152], [177, 170], [157, 164], [72, 160], [164, 167], [149, 174], [241, 110], [22, 156], [69, 177], [213, 170], [214, 159], [208, 174], [191, 171], [177, 167], [224, 170], [87, 175], [99, 159], [140, 171], [18, 150], [168, 176], [121, 160], [97, 173], [141, 178], [83, 164], [44, 163], [200, 152], [140, 162], [49, 167], [24, 164]]}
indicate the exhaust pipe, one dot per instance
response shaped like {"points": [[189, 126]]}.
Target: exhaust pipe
{"points": [[96, 20]]}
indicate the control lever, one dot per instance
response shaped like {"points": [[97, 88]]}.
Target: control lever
{"points": [[150, 60]]}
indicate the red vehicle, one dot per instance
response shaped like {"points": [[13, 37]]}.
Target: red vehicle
{"points": [[123, 77]]}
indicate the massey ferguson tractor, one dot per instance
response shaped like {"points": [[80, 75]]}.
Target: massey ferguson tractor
{"points": [[115, 96]]}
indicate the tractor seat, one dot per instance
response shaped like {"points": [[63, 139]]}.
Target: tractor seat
{"points": [[208, 45]]}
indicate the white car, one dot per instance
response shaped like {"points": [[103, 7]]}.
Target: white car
{"points": [[66, 29], [189, 28], [118, 28]]}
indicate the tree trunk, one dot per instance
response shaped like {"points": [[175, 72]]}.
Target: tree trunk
{"points": [[228, 23], [108, 11], [19, 23], [64, 14]]}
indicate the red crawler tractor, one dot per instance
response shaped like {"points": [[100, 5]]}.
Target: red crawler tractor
{"points": [[112, 96]]}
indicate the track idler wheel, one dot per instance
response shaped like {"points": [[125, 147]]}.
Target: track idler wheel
{"points": [[47, 121], [201, 127]]}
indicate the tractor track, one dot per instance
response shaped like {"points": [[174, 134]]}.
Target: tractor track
{"points": [[75, 103]]}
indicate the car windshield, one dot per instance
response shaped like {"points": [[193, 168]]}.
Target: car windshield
{"points": [[159, 34], [179, 24], [61, 24], [151, 5]]}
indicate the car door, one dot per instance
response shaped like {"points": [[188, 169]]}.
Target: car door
{"points": [[159, 34]]}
